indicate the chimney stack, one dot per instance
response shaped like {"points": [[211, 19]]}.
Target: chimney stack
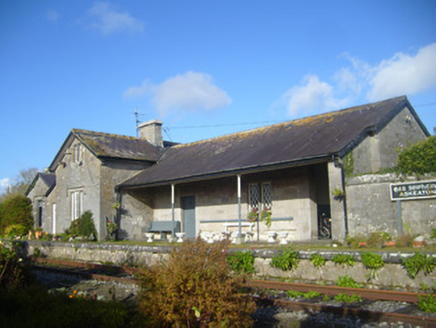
{"points": [[151, 131]]}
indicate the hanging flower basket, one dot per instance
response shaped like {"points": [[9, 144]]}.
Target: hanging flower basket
{"points": [[252, 215], [265, 216]]}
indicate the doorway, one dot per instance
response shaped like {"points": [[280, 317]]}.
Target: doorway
{"points": [[188, 216], [324, 222]]}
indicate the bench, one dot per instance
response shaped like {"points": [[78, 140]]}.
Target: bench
{"points": [[163, 227]]}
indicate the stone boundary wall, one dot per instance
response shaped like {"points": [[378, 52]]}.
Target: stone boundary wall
{"points": [[369, 206], [392, 275]]}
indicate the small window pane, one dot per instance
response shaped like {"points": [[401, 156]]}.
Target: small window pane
{"points": [[254, 196]]}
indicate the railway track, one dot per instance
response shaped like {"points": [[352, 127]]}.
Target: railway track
{"points": [[84, 270]]}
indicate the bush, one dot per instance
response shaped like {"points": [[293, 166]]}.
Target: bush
{"points": [[83, 227], [16, 209], [13, 230], [419, 262], [347, 282], [241, 262], [317, 260], [373, 262], [286, 260], [13, 272], [419, 158], [194, 288], [344, 259]]}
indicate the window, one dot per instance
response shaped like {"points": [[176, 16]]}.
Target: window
{"points": [[40, 206], [76, 204], [260, 196]]}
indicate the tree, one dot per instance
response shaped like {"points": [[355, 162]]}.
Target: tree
{"points": [[21, 182], [15, 209], [419, 158]]}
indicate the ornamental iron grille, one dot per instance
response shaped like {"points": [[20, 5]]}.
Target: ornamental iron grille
{"points": [[260, 196], [254, 194]]}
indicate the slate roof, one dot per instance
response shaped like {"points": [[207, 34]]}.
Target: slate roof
{"points": [[117, 146], [48, 178], [110, 146], [314, 138]]}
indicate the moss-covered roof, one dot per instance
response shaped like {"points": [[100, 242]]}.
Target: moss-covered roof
{"points": [[312, 138], [105, 145]]}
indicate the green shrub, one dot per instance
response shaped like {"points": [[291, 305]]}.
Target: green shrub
{"points": [[17, 229], [16, 209], [285, 260], [373, 262], [308, 295], [378, 239], [353, 298], [419, 262], [194, 287], [404, 241], [347, 282], [427, 304], [241, 261], [83, 227], [317, 260], [419, 158], [344, 259], [13, 271]]}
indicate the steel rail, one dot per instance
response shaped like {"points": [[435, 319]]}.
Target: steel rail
{"points": [[370, 294], [87, 275], [370, 316]]}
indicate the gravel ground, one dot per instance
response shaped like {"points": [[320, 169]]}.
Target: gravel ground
{"points": [[265, 317]]}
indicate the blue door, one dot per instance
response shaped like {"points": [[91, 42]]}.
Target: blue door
{"points": [[188, 216]]}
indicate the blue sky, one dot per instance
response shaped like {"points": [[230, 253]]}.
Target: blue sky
{"points": [[205, 68]]}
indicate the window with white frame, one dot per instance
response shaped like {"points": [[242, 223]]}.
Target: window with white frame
{"points": [[76, 204], [260, 196]]}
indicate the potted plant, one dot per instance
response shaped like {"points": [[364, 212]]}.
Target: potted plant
{"points": [[112, 228], [38, 233]]}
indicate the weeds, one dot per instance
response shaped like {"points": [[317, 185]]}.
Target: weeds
{"points": [[285, 260]]}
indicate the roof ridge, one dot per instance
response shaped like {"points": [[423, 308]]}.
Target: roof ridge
{"points": [[298, 122], [75, 131]]}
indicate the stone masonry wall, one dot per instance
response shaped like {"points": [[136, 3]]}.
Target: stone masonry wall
{"points": [[370, 208], [391, 275]]}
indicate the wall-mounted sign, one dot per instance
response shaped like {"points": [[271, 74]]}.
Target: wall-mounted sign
{"points": [[413, 190]]}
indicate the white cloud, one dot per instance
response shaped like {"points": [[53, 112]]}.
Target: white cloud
{"points": [[312, 96], [404, 74], [52, 15], [104, 18], [189, 92]]}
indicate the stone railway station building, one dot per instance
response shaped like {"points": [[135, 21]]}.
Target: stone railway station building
{"points": [[302, 171]]}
